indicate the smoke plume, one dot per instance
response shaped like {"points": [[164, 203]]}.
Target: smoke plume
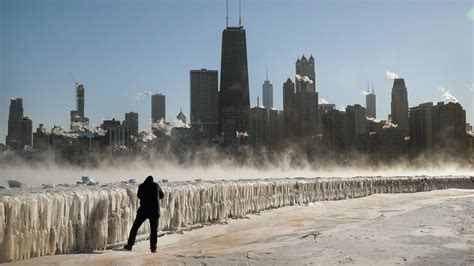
{"points": [[447, 96], [322, 101], [391, 75], [143, 94]]}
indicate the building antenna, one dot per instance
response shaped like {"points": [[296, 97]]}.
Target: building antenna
{"points": [[240, 14], [372, 87], [75, 82], [368, 86], [226, 13], [266, 73]]}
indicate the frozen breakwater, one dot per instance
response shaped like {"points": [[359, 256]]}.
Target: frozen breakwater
{"points": [[39, 222]]}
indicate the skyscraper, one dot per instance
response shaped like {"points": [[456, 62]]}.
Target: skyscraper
{"points": [[288, 109], [234, 101], [370, 103], [131, 122], [78, 119], [267, 94], [204, 104], [399, 114], [20, 128], [421, 127], [355, 124], [158, 108], [305, 100], [258, 126]]}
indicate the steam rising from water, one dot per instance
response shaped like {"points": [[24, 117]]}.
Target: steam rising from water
{"points": [[217, 167]]}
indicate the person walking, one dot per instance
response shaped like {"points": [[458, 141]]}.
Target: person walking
{"points": [[149, 194]]}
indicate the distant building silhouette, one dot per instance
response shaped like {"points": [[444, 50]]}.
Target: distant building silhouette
{"points": [[20, 128], [267, 94], [77, 117], [234, 101], [117, 135], [449, 125], [334, 129], [41, 138], [322, 109], [440, 127], [204, 104], [158, 108], [275, 126], [421, 127], [305, 101], [370, 103], [399, 105], [131, 121], [258, 126], [355, 125], [288, 109], [181, 117]]}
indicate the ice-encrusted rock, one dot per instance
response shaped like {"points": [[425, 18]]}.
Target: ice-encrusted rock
{"points": [[76, 219], [16, 184]]}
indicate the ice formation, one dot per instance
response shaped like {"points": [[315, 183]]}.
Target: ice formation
{"points": [[38, 222]]}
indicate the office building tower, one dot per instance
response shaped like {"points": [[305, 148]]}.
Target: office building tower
{"points": [[158, 108], [370, 103], [204, 104], [77, 117], [355, 125], [399, 106], [131, 122], [234, 101], [288, 109], [267, 94], [258, 126], [20, 128]]}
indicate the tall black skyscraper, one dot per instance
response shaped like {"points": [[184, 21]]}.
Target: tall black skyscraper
{"points": [[234, 101]]}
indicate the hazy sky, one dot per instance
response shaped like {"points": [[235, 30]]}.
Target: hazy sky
{"points": [[120, 48]]}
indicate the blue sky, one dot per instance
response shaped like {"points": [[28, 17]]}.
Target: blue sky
{"points": [[118, 48]]}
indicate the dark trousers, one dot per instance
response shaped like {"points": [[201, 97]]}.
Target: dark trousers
{"points": [[141, 217]]}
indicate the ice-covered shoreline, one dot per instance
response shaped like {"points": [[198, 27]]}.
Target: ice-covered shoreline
{"points": [[37, 222]]}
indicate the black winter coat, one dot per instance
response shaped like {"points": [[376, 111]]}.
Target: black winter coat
{"points": [[150, 194]]}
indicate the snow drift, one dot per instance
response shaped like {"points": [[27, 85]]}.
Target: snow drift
{"points": [[38, 222]]}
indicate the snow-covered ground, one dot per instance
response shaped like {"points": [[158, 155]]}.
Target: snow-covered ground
{"points": [[58, 220], [428, 228]]}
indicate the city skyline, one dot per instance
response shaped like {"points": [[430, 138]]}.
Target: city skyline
{"points": [[337, 82]]}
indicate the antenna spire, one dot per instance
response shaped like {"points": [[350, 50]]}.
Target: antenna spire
{"points": [[240, 14], [372, 87], [367, 86], [226, 13], [266, 73]]}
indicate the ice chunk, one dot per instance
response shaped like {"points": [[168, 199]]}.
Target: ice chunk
{"points": [[16, 184]]}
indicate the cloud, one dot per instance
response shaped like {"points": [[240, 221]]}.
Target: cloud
{"points": [[391, 75], [365, 92], [447, 96], [143, 94], [322, 101]]}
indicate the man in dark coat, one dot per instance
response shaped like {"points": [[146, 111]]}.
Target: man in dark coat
{"points": [[149, 194]]}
